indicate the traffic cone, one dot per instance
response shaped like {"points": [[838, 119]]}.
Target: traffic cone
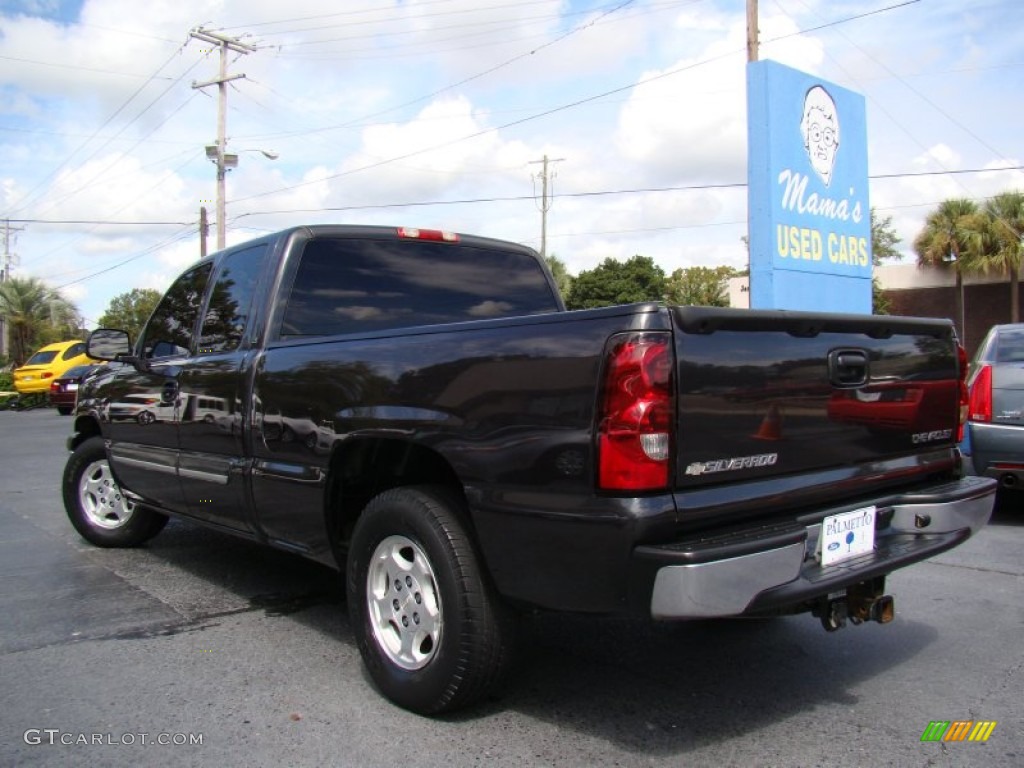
{"points": [[771, 425]]}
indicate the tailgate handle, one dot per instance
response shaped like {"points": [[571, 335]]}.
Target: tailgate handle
{"points": [[848, 367]]}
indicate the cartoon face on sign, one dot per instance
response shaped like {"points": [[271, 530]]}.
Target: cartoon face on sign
{"points": [[820, 129]]}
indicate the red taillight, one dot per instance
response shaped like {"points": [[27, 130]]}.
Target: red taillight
{"points": [[635, 420], [55, 387], [47, 375], [411, 233], [961, 358], [980, 407]]}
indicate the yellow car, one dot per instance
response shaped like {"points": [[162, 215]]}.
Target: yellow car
{"points": [[47, 364]]}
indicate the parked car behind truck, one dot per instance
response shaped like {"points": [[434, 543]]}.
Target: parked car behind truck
{"points": [[48, 363], [475, 450], [64, 388], [996, 431]]}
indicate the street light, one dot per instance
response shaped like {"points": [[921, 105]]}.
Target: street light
{"points": [[224, 162]]}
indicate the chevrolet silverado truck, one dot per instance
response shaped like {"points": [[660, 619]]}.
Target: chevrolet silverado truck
{"points": [[417, 410]]}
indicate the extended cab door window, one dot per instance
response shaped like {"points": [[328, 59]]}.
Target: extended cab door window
{"points": [[171, 329], [227, 313]]}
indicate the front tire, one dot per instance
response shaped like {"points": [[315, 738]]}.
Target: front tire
{"points": [[432, 632], [97, 506]]}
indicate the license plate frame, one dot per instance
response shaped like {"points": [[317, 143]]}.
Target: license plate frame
{"points": [[847, 535]]}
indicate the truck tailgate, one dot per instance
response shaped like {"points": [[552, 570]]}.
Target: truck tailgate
{"points": [[770, 394]]}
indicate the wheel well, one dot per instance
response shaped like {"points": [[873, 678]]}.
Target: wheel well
{"points": [[363, 468], [85, 427]]}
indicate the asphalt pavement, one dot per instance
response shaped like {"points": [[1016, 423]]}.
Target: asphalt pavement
{"points": [[199, 649]]}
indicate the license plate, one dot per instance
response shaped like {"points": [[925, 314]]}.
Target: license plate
{"points": [[847, 535], [72, 387]]}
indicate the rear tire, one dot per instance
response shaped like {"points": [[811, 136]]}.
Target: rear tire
{"points": [[64, 410], [432, 631], [97, 506]]}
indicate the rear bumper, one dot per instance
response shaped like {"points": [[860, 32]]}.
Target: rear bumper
{"points": [[769, 568], [34, 387], [997, 451]]}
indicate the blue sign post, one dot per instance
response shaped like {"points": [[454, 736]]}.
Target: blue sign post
{"points": [[810, 219]]}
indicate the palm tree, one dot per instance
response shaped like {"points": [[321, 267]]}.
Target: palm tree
{"points": [[1006, 223], [953, 237], [35, 314]]}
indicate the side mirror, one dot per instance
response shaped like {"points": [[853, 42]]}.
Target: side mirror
{"points": [[112, 344], [108, 344]]}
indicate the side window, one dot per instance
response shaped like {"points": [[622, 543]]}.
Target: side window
{"points": [[171, 328], [73, 351], [230, 300]]}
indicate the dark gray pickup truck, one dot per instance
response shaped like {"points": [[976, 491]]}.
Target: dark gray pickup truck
{"points": [[417, 410]]}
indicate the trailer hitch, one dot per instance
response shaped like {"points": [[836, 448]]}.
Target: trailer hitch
{"points": [[862, 602]]}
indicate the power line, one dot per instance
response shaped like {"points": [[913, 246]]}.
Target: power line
{"points": [[505, 199], [419, 99], [32, 194], [166, 242], [551, 111], [80, 68], [598, 193], [388, 19], [104, 222], [194, 230]]}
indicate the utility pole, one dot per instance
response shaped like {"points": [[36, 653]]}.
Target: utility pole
{"points": [[204, 231], [216, 151], [5, 269], [5, 274], [545, 201], [752, 54], [752, 33]]}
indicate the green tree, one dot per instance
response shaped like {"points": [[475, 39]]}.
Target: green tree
{"points": [[700, 286], [953, 237], [130, 311], [561, 274], [883, 247], [36, 315], [615, 282], [883, 239], [1005, 246]]}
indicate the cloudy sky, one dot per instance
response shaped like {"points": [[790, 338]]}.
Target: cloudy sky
{"points": [[435, 113]]}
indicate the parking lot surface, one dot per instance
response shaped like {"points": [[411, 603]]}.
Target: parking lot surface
{"points": [[199, 649]]}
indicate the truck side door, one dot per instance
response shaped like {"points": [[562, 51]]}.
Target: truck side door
{"points": [[214, 394], [143, 409]]}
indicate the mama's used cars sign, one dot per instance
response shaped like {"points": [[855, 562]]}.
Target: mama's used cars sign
{"points": [[810, 219]]}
